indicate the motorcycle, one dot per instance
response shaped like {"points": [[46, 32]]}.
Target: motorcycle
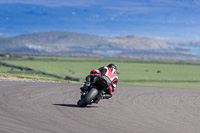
{"points": [[95, 92]]}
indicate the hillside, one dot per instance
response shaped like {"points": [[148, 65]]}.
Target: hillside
{"points": [[68, 43]]}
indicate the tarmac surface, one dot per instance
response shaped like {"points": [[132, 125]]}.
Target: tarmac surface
{"points": [[47, 107]]}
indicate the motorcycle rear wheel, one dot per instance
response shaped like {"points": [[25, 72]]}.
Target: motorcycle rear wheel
{"points": [[88, 98]]}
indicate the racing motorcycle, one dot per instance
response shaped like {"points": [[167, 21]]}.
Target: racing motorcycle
{"points": [[94, 93]]}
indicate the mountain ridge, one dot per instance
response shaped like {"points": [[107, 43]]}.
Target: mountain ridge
{"points": [[71, 43]]}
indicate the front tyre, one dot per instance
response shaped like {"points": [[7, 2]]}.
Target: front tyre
{"points": [[88, 98]]}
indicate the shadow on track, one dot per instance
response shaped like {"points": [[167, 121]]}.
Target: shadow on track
{"points": [[74, 106]]}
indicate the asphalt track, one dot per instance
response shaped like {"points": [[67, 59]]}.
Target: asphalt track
{"points": [[42, 107]]}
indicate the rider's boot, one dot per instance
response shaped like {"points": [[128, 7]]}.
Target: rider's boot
{"points": [[106, 96], [85, 86]]}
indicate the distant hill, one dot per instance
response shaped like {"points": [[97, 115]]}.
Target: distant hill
{"points": [[68, 43]]}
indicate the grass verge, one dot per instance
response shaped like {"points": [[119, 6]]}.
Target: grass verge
{"points": [[28, 77]]}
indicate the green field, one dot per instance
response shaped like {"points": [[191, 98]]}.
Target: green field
{"points": [[173, 74]]}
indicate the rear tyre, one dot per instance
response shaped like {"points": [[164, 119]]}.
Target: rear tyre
{"points": [[88, 98]]}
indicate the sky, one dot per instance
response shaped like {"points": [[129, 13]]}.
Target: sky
{"points": [[159, 19]]}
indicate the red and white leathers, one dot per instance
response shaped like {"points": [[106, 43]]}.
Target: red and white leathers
{"points": [[111, 74]]}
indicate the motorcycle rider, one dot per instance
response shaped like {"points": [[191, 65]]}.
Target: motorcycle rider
{"points": [[111, 72]]}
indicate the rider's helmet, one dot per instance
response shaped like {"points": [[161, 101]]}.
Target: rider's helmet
{"points": [[113, 67]]}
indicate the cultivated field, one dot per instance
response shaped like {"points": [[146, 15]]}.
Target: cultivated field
{"points": [[173, 74]]}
